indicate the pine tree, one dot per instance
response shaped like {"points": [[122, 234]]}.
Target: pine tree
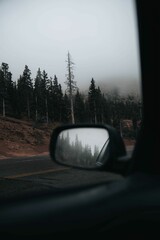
{"points": [[25, 90], [6, 90], [92, 101], [99, 109], [79, 108], [106, 110], [2, 92], [96, 152], [56, 99], [65, 109], [41, 95], [37, 94], [44, 89]]}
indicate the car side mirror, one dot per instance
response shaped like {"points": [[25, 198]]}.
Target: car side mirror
{"points": [[87, 146]]}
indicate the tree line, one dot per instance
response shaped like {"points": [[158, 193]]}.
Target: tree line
{"points": [[74, 152], [43, 100]]}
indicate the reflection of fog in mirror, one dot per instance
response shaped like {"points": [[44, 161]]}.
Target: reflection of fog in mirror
{"points": [[81, 147]]}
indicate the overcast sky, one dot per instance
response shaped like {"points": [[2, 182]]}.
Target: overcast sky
{"points": [[87, 136], [101, 36]]}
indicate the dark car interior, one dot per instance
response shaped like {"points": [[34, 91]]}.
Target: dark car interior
{"points": [[124, 208]]}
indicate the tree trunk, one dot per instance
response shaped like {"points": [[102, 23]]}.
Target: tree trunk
{"points": [[70, 89], [4, 108], [46, 110], [36, 110], [72, 111], [95, 113], [28, 108]]}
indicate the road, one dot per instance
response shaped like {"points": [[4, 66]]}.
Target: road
{"points": [[26, 166], [29, 175]]}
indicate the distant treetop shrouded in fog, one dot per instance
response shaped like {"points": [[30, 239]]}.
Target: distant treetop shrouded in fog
{"points": [[101, 35]]}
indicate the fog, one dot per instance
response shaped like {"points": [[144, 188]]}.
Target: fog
{"points": [[90, 137], [101, 36]]}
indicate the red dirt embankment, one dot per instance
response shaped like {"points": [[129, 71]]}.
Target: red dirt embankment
{"points": [[21, 138]]}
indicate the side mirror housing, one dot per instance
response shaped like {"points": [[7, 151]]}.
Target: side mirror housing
{"points": [[87, 146]]}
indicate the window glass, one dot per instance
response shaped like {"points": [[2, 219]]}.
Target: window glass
{"points": [[64, 62]]}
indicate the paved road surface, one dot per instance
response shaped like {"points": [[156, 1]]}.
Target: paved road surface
{"points": [[28, 175], [26, 166]]}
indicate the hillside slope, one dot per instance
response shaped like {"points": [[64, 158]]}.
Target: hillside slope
{"points": [[21, 138]]}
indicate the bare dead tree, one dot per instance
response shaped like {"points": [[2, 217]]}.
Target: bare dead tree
{"points": [[71, 84]]}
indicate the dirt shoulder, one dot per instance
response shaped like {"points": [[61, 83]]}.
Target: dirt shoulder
{"points": [[21, 138]]}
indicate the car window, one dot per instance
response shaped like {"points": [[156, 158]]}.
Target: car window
{"points": [[64, 62]]}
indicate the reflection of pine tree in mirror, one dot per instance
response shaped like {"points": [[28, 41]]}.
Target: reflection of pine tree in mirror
{"points": [[74, 151]]}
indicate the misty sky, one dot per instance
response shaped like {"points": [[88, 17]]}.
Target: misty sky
{"points": [[101, 36], [87, 136]]}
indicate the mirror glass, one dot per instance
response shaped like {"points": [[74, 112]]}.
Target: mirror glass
{"points": [[81, 147]]}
